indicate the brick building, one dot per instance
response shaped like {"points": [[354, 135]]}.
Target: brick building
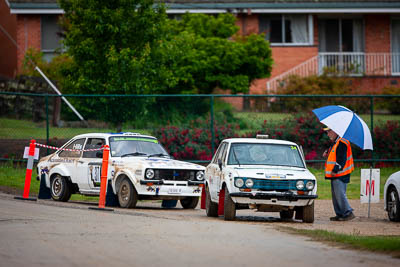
{"points": [[360, 38]]}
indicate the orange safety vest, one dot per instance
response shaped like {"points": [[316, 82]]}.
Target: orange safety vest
{"points": [[331, 161]]}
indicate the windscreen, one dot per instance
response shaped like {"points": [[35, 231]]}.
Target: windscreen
{"points": [[264, 154], [136, 146]]}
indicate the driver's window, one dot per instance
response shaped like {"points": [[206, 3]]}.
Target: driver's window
{"points": [[225, 149], [93, 143], [217, 154], [221, 152], [75, 145]]}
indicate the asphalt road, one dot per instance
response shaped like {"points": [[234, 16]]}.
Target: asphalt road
{"points": [[48, 233]]}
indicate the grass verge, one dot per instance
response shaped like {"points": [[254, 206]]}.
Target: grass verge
{"points": [[383, 244], [12, 180]]}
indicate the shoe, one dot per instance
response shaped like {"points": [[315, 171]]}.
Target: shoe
{"points": [[348, 217], [336, 218]]}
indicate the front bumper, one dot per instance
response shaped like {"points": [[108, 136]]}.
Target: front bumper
{"points": [[162, 182], [167, 188], [270, 196], [276, 198]]}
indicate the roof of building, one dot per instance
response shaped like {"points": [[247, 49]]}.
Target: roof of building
{"points": [[255, 6]]}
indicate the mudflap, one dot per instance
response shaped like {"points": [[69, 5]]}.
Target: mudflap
{"points": [[299, 213], [203, 198], [44, 191], [111, 198], [221, 201]]}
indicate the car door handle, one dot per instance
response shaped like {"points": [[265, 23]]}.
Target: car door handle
{"points": [[80, 161]]}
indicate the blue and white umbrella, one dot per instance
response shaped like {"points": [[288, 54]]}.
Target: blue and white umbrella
{"points": [[346, 124]]}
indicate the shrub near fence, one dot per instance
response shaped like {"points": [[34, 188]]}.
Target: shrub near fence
{"points": [[194, 141]]}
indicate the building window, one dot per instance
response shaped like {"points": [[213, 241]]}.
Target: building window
{"points": [[51, 36], [341, 45], [395, 32], [286, 29], [341, 35]]}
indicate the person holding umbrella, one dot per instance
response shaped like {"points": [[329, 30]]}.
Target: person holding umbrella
{"points": [[344, 126], [338, 167]]}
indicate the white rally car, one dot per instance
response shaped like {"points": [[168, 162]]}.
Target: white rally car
{"points": [[391, 193], [139, 168], [260, 173]]}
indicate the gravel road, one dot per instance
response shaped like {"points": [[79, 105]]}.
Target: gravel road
{"points": [[48, 233]]}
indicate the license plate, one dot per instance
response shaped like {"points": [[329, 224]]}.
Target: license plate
{"points": [[174, 190]]}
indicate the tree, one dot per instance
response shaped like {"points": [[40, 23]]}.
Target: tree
{"points": [[203, 52], [111, 43], [206, 52], [130, 47]]}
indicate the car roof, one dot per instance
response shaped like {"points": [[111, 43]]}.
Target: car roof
{"points": [[106, 135], [259, 140]]}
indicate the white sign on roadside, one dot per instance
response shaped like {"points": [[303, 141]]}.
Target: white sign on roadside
{"points": [[26, 153], [370, 186]]}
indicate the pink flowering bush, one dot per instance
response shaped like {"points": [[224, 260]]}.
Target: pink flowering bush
{"points": [[193, 142]]}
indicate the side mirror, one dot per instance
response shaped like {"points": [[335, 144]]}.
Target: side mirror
{"points": [[220, 164], [99, 154]]}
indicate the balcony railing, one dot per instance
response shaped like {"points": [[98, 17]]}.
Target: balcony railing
{"points": [[346, 64]]}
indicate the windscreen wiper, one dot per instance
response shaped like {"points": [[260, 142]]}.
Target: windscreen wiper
{"points": [[134, 154], [234, 154], [158, 155]]}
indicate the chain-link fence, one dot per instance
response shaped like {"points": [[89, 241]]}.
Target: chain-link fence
{"points": [[191, 126]]}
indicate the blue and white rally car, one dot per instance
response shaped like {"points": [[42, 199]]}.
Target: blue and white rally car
{"points": [[262, 174], [139, 168]]}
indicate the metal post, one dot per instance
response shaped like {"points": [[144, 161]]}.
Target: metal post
{"points": [[369, 192], [372, 128], [372, 156], [47, 122], [212, 125], [59, 93]]}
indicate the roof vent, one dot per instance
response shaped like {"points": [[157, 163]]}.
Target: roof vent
{"points": [[262, 136]]}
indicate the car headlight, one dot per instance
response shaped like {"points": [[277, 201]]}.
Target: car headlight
{"points": [[310, 185], [149, 173], [249, 183], [239, 182], [200, 175], [300, 185]]}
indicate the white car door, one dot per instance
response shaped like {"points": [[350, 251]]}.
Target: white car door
{"points": [[89, 165], [216, 171], [69, 159]]}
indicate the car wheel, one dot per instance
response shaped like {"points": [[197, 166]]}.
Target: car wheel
{"points": [[308, 213], [59, 188], [393, 205], [229, 207], [286, 214], [127, 195], [211, 207], [189, 202]]}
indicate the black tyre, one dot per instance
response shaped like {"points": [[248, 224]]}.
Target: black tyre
{"points": [[286, 214], [189, 202], [308, 213], [127, 195], [59, 188], [211, 207], [393, 205], [229, 207]]}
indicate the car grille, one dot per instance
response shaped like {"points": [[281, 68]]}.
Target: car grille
{"points": [[174, 175], [275, 184]]}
